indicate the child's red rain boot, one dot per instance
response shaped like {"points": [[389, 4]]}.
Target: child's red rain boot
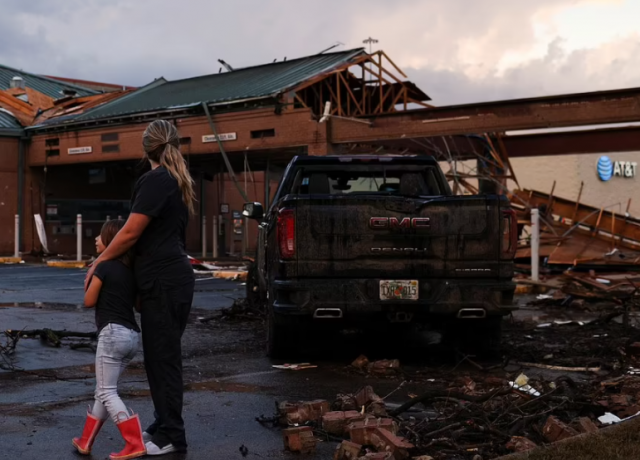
{"points": [[131, 431], [91, 427]]}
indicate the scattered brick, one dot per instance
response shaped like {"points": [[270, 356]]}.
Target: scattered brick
{"points": [[361, 362], [584, 425], [377, 456], [555, 430], [336, 422], [298, 413], [629, 411], [308, 442], [299, 439], [359, 431], [620, 401], [385, 367], [372, 402], [385, 441], [347, 451], [520, 444]]}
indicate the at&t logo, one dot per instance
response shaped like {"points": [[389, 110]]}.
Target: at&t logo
{"points": [[607, 169]]}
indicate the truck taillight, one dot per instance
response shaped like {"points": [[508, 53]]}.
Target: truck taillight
{"points": [[286, 233], [509, 234]]}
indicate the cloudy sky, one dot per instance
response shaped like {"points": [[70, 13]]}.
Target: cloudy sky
{"points": [[457, 51]]}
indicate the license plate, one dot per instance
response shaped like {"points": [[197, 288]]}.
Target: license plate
{"points": [[398, 290]]}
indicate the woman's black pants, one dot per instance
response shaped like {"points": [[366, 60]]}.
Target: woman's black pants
{"points": [[164, 313]]}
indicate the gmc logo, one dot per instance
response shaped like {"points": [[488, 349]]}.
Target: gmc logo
{"points": [[392, 223]]}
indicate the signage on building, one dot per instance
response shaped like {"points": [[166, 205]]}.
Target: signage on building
{"points": [[79, 150], [224, 208], [607, 169], [223, 137]]}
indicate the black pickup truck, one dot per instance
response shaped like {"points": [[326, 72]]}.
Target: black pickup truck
{"points": [[353, 241]]}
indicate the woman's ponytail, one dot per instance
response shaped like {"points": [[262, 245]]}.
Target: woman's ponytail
{"points": [[161, 142], [174, 162]]}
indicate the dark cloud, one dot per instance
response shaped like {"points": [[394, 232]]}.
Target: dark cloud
{"points": [[440, 45]]}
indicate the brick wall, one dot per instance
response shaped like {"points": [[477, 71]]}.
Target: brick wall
{"points": [[293, 128], [66, 176]]}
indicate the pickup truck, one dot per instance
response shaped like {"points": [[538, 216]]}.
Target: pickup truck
{"points": [[350, 241]]}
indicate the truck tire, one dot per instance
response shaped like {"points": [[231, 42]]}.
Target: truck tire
{"points": [[283, 335], [483, 337]]}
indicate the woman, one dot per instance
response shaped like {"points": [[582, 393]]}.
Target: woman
{"points": [[156, 229]]}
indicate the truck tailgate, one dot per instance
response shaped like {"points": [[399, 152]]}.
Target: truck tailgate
{"points": [[397, 238]]}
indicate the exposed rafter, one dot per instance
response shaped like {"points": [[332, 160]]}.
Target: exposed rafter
{"points": [[369, 85]]}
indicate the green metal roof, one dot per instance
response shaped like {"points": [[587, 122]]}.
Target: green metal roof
{"points": [[247, 83], [48, 86], [9, 126]]}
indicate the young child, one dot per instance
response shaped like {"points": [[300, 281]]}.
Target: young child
{"points": [[112, 291]]}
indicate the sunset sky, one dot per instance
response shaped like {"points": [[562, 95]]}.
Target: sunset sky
{"points": [[457, 51]]}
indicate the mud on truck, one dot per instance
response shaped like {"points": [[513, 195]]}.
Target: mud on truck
{"points": [[350, 242]]}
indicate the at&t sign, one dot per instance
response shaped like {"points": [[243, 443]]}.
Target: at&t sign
{"points": [[607, 169]]}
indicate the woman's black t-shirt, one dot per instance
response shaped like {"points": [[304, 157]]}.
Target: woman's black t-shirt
{"points": [[160, 252], [117, 295]]}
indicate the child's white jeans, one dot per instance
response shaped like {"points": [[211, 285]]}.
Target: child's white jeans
{"points": [[117, 345]]}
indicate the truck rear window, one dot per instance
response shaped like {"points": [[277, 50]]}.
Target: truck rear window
{"points": [[382, 182]]}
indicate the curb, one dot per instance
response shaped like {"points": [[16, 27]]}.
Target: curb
{"points": [[10, 260], [66, 264], [230, 275]]}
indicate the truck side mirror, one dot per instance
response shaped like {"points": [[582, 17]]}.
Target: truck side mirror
{"points": [[253, 211]]}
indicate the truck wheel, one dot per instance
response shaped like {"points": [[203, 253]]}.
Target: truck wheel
{"points": [[490, 337], [283, 333], [482, 337]]}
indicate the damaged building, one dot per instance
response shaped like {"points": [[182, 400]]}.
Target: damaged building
{"points": [[71, 147]]}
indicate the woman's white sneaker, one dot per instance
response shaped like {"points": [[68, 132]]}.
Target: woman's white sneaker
{"points": [[152, 449], [146, 437]]}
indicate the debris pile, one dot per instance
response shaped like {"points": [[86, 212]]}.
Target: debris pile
{"points": [[241, 310], [482, 417], [380, 368], [575, 234], [7, 351]]}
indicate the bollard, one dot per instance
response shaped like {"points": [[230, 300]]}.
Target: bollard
{"points": [[215, 237], [204, 236], [79, 237], [16, 252], [119, 217], [246, 234], [535, 245], [108, 218]]}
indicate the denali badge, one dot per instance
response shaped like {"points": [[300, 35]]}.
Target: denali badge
{"points": [[397, 250], [393, 223]]}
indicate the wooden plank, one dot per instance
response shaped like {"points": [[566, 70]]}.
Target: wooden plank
{"points": [[494, 152], [550, 200], [353, 96], [299, 99], [393, 64], [575, 212], [405, 92], [505, 157], [339, 98], [420, 103], [380, 106]]}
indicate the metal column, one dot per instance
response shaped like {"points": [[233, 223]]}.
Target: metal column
{"points": [[535, 244], [79, 237], [16, 251]]}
